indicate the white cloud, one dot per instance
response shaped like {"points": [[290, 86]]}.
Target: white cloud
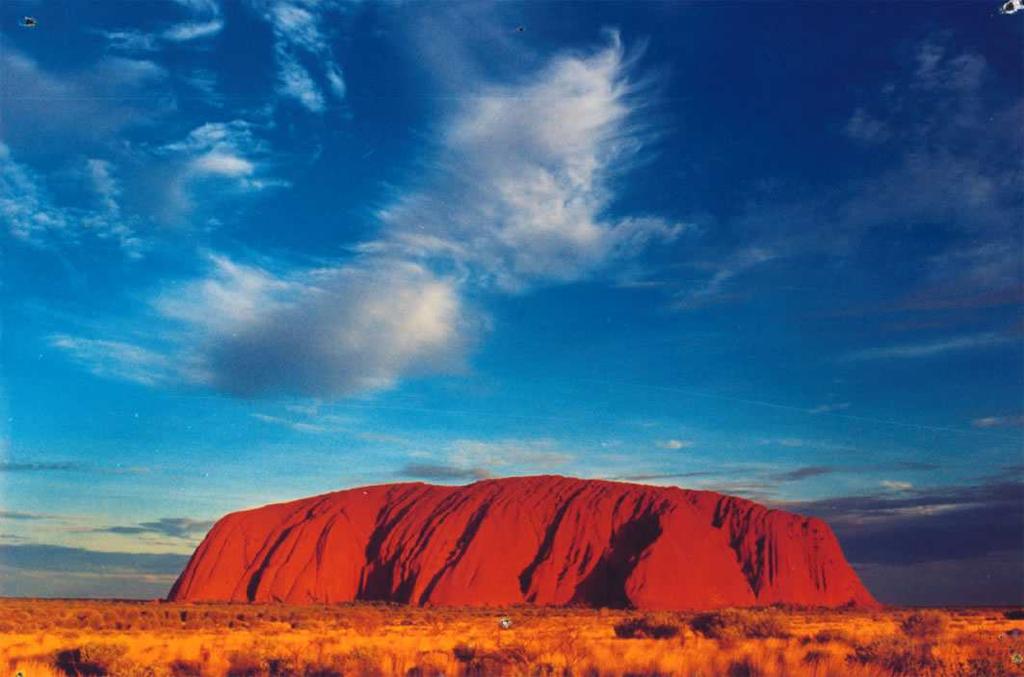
{"points": [[299, 42], [204, 22], [294, 81], [297, 426], [791, 442], [894, 485], [118, 360], [931, 348], [519, 199], [231, 154], [522, 184], [675, 444], [715, 288], [324, 332], [863, 127], [83, 106], [332, 331], [932, 179], [105, 184], [223, 164], [830, 408], [999, 422], [193, 30], [530, 455], [29, 213]]}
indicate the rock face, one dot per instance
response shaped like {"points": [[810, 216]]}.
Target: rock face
{"points": [[535, 540]]}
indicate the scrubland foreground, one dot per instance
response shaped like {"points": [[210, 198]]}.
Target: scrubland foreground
{"points": [[45, 638]]}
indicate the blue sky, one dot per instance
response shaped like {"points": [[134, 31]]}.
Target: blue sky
{"points": [[258, 250]]}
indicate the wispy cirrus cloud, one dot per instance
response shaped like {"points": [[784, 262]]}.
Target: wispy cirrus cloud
{"points": [[213, 161], [46, 111], [932, 348], [307, 71], [530, 167], [313, 424], [203, 19], [32, 215], [118, 359], [718, 287], [966, 194]]}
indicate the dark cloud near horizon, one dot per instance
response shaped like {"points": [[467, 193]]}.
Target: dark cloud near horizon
{"points": [[175, 527], [38, 466], [809, 471], [805, 472], [61, 558], [908, 546], [22, 516], [33, 570], [925, 527], [993, 580], [662, 476], [439, 471]]}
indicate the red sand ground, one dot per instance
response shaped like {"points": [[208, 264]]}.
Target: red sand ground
{"points": [[539, 540]]}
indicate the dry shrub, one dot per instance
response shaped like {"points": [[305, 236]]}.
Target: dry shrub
{"points": [[184, 668], [361, 661], [257, 661], [826, 636], [899, 655], [97, 658], [475, 661], [989, 657], [744, 667], [816, 657], [731, 624], [429, 664], [244, 664], [33, 669], [646, 627], [91, 659], [925, 625]]}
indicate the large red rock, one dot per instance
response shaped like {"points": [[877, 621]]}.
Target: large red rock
{"points": [[536, 540]]}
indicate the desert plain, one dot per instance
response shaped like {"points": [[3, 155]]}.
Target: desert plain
{"points": [[44, 638]]}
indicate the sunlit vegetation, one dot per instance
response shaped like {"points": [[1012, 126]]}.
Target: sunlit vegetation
{"points": [[57, 638]]}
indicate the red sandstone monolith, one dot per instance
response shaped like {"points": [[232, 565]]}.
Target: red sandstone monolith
{"points": [[523, 540]]}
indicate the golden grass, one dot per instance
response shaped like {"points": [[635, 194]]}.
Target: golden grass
{"points": [[47, 638]]}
